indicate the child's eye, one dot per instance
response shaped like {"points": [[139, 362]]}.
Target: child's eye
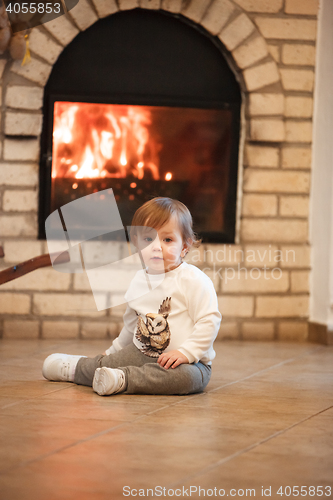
{"points": [[148, 239], [168, 240]]}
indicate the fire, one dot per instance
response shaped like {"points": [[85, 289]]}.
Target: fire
{"points": [[103, 140]]}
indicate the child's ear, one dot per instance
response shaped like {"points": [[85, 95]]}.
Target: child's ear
{"points": [[186, 247]]}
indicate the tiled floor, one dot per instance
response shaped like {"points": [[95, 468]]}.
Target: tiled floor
{"points": [[265, 420]]}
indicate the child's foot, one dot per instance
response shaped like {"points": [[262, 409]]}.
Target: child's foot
{"points": [[60, 367], [108, 381]]}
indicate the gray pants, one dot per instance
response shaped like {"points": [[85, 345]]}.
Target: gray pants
{"points": [[144, 375]]}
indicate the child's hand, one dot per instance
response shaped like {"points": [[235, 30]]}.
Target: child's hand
{"points": [[172, 359]]}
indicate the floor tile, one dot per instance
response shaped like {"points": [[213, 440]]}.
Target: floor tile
{"points": [[264, 420]]}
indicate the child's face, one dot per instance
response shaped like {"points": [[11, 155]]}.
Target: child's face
{"points": [[164, 251]]}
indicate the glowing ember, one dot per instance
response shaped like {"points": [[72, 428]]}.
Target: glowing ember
{"points": [[168, 176], [103, 140]]}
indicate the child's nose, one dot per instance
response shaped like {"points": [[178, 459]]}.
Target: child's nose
{"points": [[157, 244]]}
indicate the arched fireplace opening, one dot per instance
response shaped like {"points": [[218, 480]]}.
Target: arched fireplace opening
{"points": [[143, 102]]}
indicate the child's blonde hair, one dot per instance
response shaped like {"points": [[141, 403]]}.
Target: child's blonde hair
{"points": [[158, 211]]}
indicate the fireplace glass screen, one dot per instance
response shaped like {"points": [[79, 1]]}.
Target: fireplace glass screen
{"points": [[141, 152]]}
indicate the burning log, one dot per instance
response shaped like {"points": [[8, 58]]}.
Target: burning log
{"points": [[31, 265]]}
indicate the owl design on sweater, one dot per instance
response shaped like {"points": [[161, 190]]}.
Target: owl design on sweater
{"points": [[155, 332]]}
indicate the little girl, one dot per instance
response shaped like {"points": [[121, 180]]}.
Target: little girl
{"points": [[166, 344]]}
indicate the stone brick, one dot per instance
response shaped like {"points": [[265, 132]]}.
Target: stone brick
{"points": [[294, 206], [150, 4], [43, 46], [258, 330], [117, 311], [195, 9], [217, 15], [134, 260], [14, 303], [60, 330], [299, 281], [228, 331], [259, 204], [250, 52], [266, 104], [21, 149], [223, 254], [128, 4], [256, 280], [304, 7], [299, 107], [18, 225], [269, 130], [260, 76], [65, 304], [81, 282], [94, 330], [299, 54], [237, 31], [95, 252], [172, 5], [20, 201], [286, 306], [287, 29], [83, 15], [12, 174], [236, 306], [274, 50], [23, 124], [105, 7], [274, 230], [297, 79], [19, 96], [295, 256], [19, 329], [298, 131], [292, 330], [258, 156], [41, 279], [115, 280], [296, 158], [276, 181], [261, 255], [270, 6], [36, 71], [114, 329], [16, 252], [62, 29]]}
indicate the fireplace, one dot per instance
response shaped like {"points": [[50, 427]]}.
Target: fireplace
{"points": [[143, 103]]}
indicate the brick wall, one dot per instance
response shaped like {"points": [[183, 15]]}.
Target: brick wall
{"points": [[263, 281]]}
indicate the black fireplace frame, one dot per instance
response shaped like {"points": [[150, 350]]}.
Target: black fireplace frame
{"points": [[233, 104]]}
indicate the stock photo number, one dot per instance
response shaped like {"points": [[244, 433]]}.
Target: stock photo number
{"points": [[33, 7], [24, 15]]}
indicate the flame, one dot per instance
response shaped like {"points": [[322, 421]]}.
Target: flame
{"points": [[87, 169], [103, 140]]}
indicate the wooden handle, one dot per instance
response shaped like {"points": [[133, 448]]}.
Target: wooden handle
{"points": [[31, 265]]}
